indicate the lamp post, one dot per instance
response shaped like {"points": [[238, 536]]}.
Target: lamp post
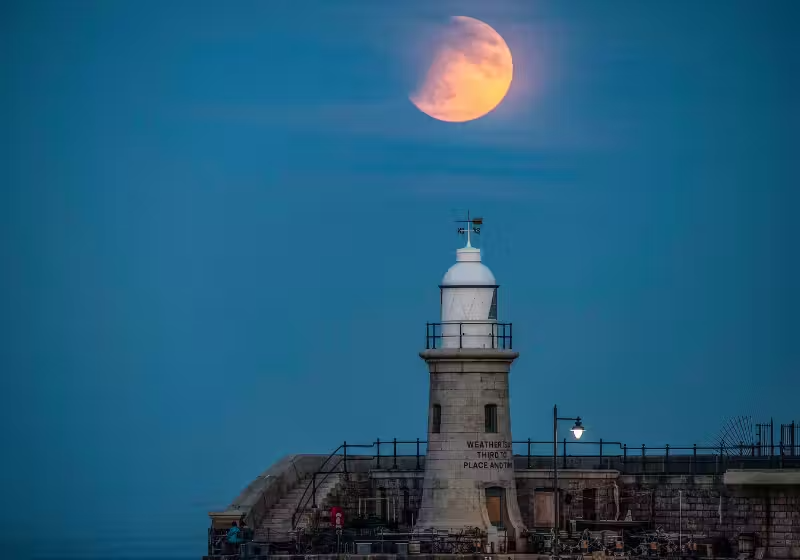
{"points": [[577, 431]]}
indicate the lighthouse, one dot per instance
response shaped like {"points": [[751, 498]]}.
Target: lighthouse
{"points": [[469, 465]]}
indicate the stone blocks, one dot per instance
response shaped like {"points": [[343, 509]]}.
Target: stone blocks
{"points": [[468, 454]]}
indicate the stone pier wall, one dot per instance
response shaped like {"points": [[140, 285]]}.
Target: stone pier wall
{"points": [[709, 507], [713, 505], [719, 511]]}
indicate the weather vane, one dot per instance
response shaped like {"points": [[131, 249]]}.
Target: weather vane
{"points": [[473, 225]]}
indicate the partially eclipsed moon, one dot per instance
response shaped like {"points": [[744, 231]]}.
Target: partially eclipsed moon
{"points": [[470, 74]]}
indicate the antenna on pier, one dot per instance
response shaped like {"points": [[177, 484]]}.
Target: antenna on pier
{"points": [[472, 225]]}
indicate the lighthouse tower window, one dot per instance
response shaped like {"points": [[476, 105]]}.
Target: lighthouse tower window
{"points": [[490, 417], [436, 419], [493, 307]]}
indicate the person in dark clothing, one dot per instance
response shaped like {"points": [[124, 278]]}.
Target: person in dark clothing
{"points": [[246, 532]]}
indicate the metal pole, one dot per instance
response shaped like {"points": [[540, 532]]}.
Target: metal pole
{"points": [[529, 452], [555, 480], [759, 439], [625, 458], [680, 521], [644, 469], [771, 438], [417, 453], [314, 490], [601, 453]]}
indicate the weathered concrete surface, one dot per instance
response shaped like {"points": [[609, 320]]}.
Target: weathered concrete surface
{"points": [[774, 477], [463, 460]]}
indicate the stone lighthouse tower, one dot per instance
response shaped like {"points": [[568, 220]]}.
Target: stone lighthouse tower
{"points": [[469, 469]]}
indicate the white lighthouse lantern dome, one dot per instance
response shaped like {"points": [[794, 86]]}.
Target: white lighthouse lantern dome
{"points": [[468, 270], [469, 300]]}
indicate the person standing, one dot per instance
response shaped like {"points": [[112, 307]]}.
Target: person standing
{"points": [[246, 532], [234, 538]]}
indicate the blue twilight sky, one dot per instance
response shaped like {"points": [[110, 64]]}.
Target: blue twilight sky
{"points": [[222, 226]]}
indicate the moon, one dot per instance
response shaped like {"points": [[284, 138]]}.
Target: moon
{"points": [[470, 74]]}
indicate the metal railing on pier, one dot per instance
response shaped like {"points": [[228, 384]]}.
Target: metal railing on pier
{"points": [[396, 454]]}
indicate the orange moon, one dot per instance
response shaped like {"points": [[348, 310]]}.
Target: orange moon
{"points": [[470, 74]]}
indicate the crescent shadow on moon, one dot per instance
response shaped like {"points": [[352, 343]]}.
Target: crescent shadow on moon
{"points": [[470, 74]]}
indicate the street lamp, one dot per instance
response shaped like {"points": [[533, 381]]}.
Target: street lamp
{"points": [[577, 431]]}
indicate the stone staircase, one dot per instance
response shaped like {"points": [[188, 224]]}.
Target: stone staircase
{"points": [[277, 523]]}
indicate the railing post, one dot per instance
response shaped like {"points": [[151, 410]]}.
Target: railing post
{"points": [[529, 452], [314, 490], [378, 457], [510, 336], [461, 335], [564, 462], [625, 458], [394, 462], [720, 464], [644, 461], [694, 459], [344, 445], [780, 457], [417, 453], [601, 453], [666, 459], [771, 442], [427, 336]]}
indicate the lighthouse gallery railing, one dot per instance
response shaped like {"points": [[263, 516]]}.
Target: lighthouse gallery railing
{"points": [[498, 335]]}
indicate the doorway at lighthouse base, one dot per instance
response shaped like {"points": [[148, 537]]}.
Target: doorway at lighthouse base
{"points": [[501, 519], [497, 513], [495, 506]]}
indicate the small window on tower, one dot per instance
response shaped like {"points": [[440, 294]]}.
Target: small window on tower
{"points": [[490, 415], [436, 420], [493, 307]]}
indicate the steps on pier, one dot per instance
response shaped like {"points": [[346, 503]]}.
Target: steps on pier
{"points": [[277, 523]]}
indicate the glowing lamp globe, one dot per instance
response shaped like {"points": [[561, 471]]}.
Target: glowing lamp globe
{"points": [[577, 430]]}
